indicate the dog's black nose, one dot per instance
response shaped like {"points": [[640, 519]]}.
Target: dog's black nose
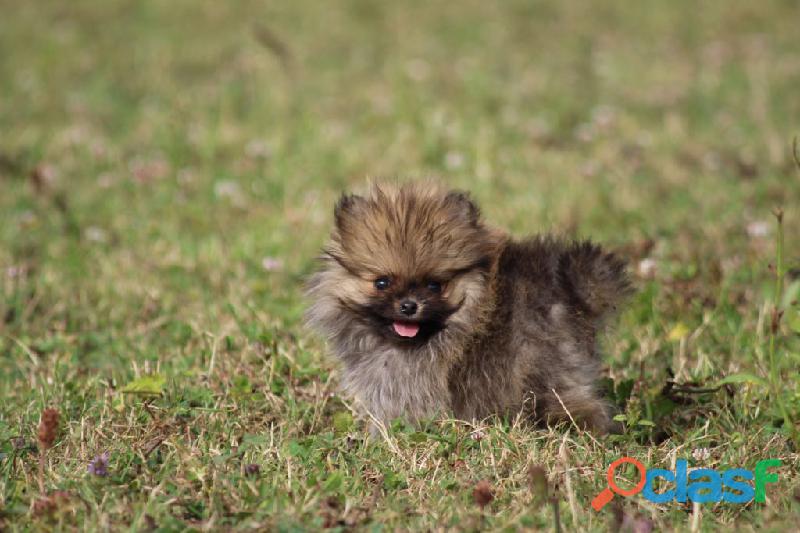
{"points": [[408, 308]]}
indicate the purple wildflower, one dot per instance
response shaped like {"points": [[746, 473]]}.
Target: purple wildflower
{"points": [[252, 469], [99, 465]]}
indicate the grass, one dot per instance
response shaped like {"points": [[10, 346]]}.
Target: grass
{"points": [[168, 170]]}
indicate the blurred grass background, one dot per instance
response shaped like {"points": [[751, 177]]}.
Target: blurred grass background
{"points": [[167, 172]]}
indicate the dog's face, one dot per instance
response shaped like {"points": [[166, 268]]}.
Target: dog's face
{"points": [[408, 309], [408, 261]]}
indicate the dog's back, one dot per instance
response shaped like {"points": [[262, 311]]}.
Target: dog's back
{"points": [[540, 353]]}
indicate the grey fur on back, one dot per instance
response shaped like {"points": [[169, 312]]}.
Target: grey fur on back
{"points": [[540, 351]]}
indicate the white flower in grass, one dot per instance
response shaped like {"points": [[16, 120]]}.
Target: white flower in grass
{"points": [[272, 264], [453, 160], [648, 267], [95, 234], [701, 454], [477, 435], [758, 229]]}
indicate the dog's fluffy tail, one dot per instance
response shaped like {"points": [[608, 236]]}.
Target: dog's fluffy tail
{"points": [[595, 277]]}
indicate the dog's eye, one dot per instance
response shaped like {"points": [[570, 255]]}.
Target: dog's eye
{"points": [[434, 286], [382, 283]]}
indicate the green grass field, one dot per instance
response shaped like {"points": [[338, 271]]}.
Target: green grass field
{"points": [[167, 176]]}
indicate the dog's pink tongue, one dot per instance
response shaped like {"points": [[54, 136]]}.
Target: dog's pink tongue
{"points": [[406, 329]]}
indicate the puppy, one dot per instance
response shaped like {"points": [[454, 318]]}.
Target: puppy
{"points": [[434, 313]]}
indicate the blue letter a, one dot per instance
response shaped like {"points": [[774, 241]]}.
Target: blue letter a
{"points": [[713, 486]]}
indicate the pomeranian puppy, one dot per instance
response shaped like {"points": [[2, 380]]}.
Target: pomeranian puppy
{"points": [[434, 313]]}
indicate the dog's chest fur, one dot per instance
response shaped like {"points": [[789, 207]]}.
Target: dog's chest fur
{"points": [[392, 382]]}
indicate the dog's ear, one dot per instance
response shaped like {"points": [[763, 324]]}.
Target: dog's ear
{"points": [[347, 206], [462, 206]]}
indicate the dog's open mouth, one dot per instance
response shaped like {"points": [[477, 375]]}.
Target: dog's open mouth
{"points": [[406, 329]]}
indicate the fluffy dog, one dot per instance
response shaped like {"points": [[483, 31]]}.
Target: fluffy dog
{"points": [[434, 313]]}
